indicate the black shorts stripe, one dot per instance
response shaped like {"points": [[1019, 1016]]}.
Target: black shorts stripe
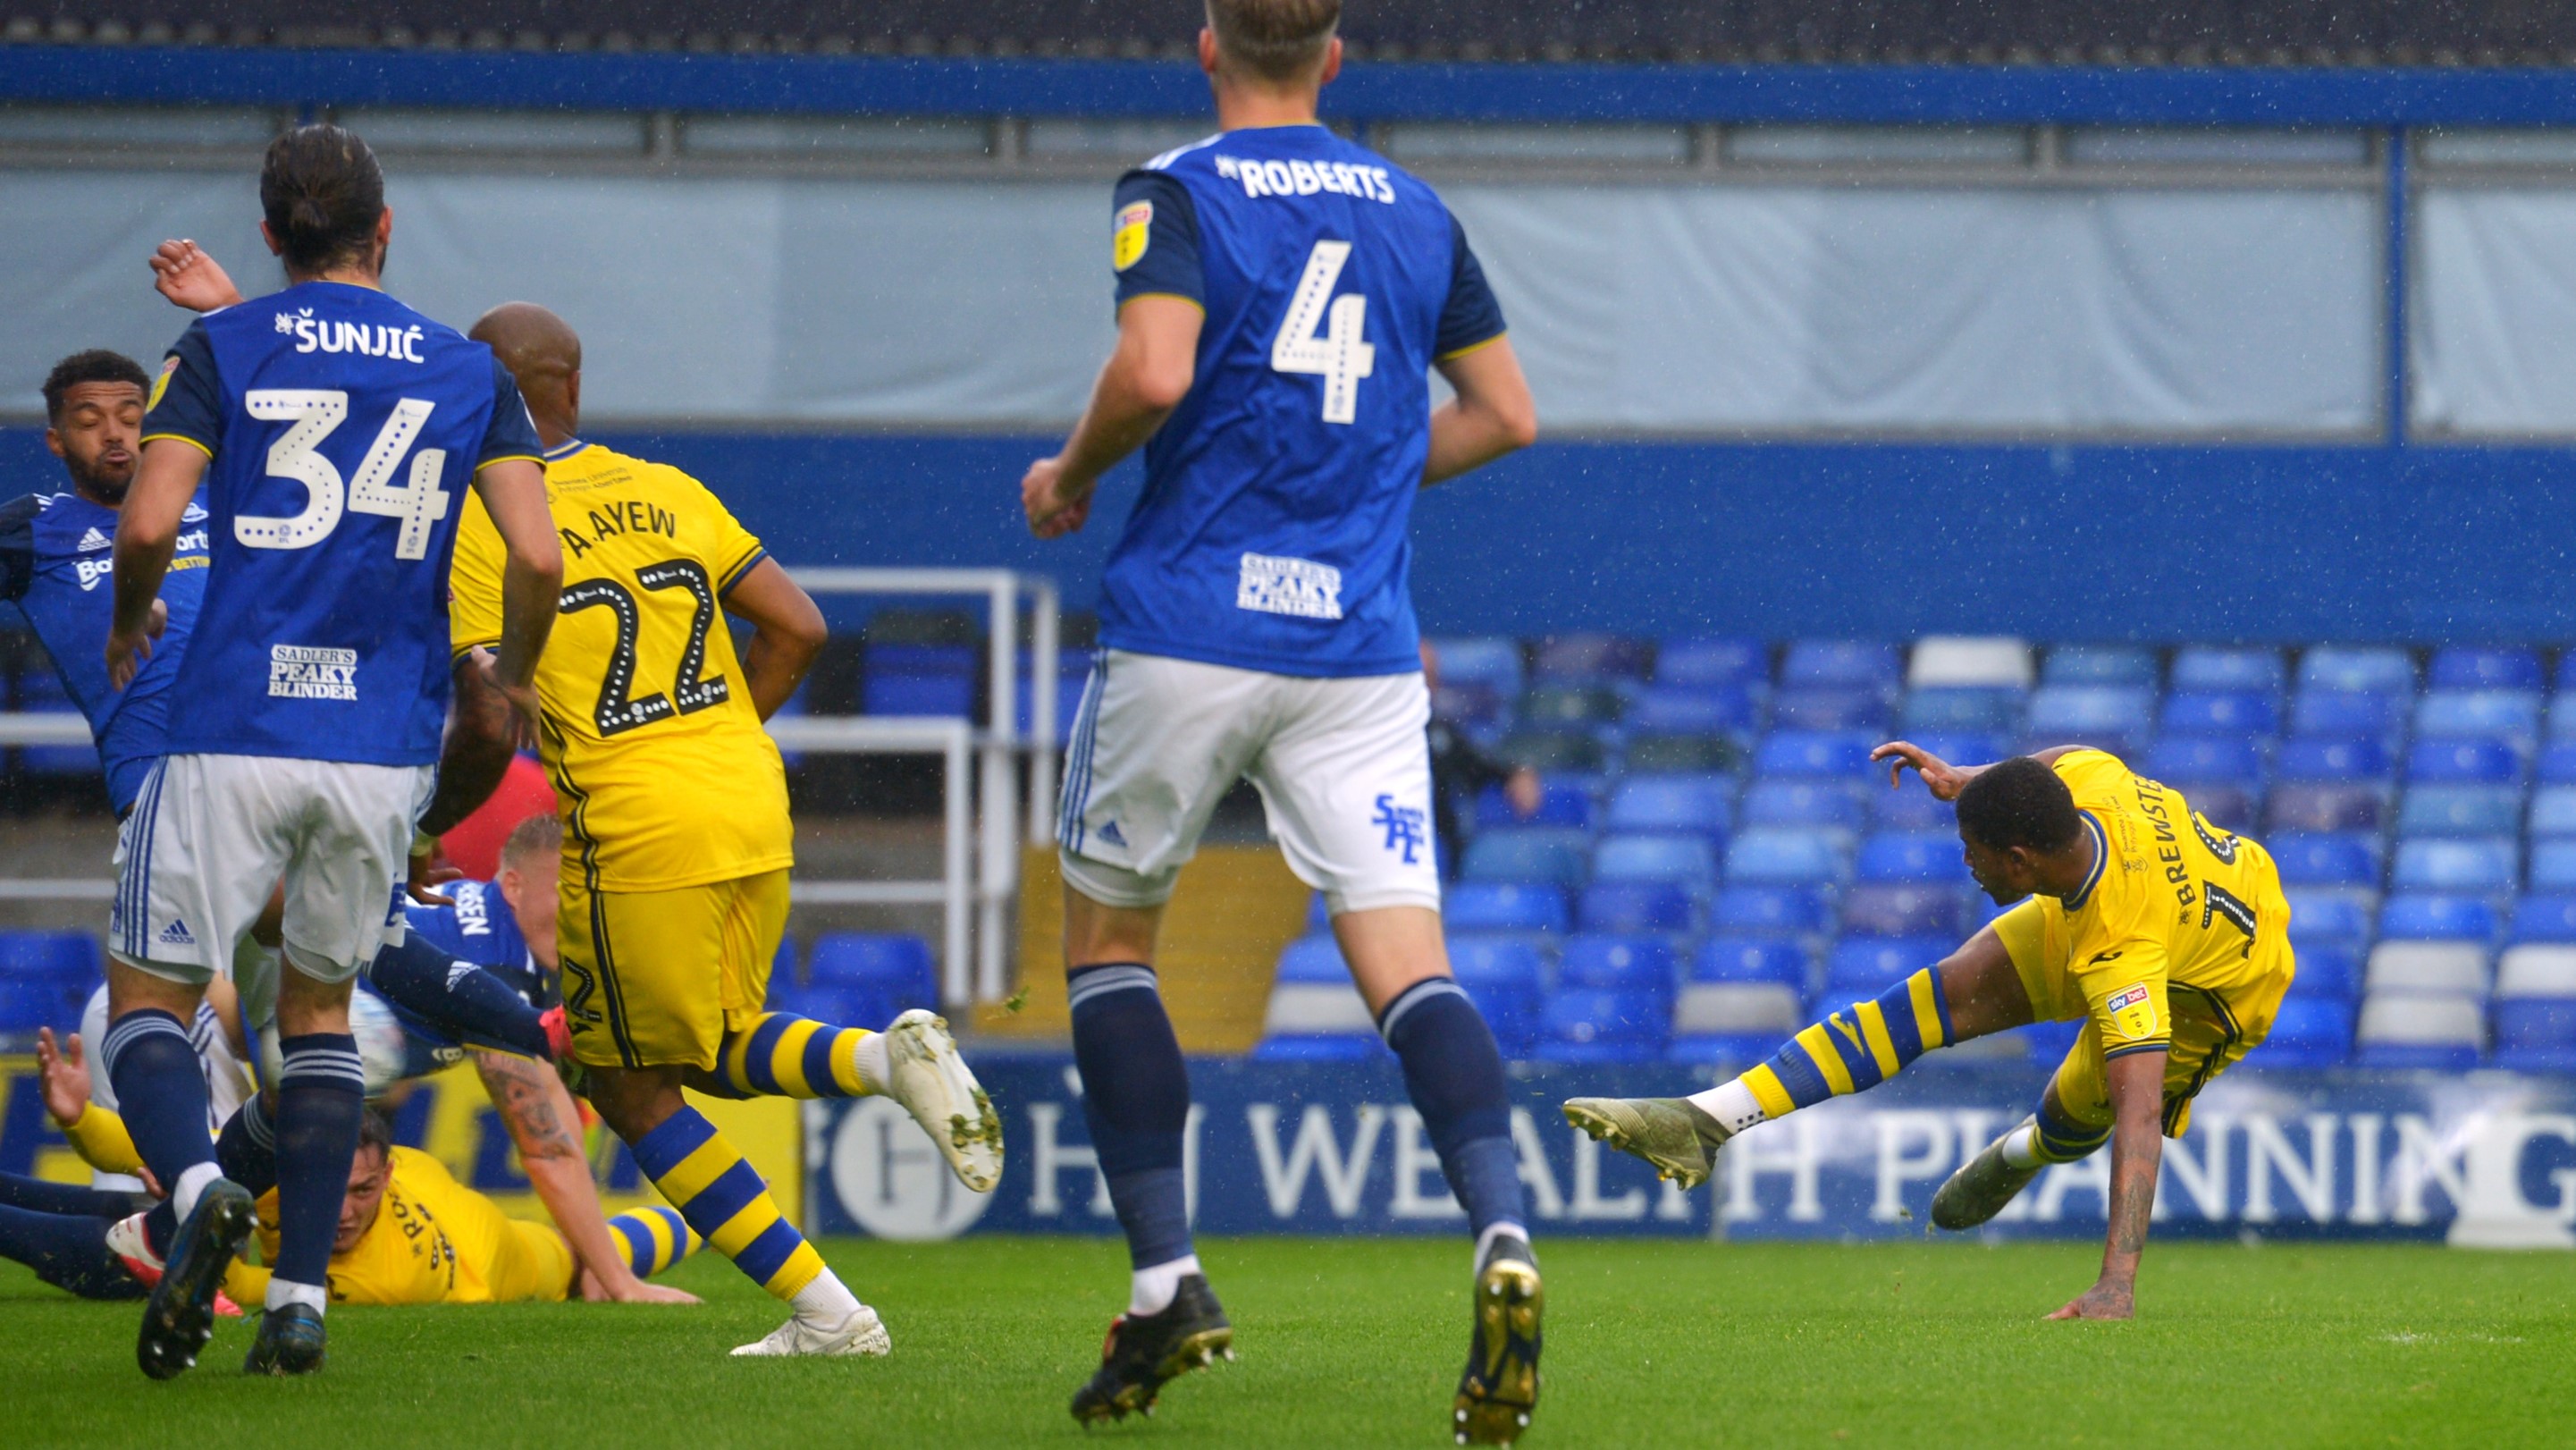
{"points": [[2230, 1034]]}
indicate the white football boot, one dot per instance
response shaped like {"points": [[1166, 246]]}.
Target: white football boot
{"points": [[861, 1333], [934, 1084]]}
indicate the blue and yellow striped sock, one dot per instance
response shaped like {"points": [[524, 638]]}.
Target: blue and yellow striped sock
{"points": [[723, 1198], [2055, 1138], [654, 1239], [1855, 1049], [783, 1055]]}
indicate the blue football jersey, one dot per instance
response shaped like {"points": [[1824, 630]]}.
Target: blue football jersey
{"points": [[54, 564], [344, 429], [1271, 534], [479, 928]]}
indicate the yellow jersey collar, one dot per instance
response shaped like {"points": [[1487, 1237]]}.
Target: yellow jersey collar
{"points": [[566, 449], [2101, 858]]}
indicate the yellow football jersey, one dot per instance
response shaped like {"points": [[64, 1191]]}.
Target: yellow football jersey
{"points": [[434, 1241], [2173, 902], [665, 777]]}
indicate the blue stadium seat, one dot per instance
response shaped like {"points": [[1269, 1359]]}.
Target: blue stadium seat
{"points": [[1555, 752], [1701, 803], [1810, 708], [1506, 980], [1656, 752], [2542, 917], [2410, 1031], [2557, 765], [2199, 759], [1540, 855], [1696, 710], [2099, 664], [920, 679], [1888, 910], [2349, 714], [2311, 1031], [1687, 861], [1860, 663], [1490, 661], [2438, 916], [2486, 864], [2463, 762], [2233, 713], [1570, 707], [1073, 673], [1832, 804], [1634, 907], [2047, 1043], [898, 961], [1319, 918], [1911, 808], [1742, 999], [2560, 726], [2553, 865], [2326, 916], [2535, 1034], [1702, 661], [2512, 716], [1928, 857], [2326, 860], [2114, 717], [1867, 966], [1471, 706], [1606, 963], [46, 977], [1589, 658], [1814, 754], [1783, 856], [2309, 805], [2466, 667], [2229, 807], [2327, 971], [1751, 959], [1964, 708], [2360, 669], [1560, 803], [2233, 668], [41, 692], [2329, 758], [2460, 810], [1584, 1026], [1959, 747], [1312, 959], [1501, 906], [1315, 1014], [1782, 911]]}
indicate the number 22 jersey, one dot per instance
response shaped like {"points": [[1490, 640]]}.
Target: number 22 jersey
{"points": [[663, 773], [342, 427], [1271, 534]]}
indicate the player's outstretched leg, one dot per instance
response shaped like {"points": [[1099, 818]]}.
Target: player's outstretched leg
{"points": [[469, 1003], [914, 1061], [1136, 1098], [654, 1239], [1987, 1182], [1851, 1051], [321, 1095], [162, 1091]]}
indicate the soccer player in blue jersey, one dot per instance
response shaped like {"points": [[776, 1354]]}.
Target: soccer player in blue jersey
{"points": [[334, 430], [1283, 295]]}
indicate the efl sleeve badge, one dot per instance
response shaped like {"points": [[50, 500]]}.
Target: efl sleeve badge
{"points": [[2132, 1012], [1135, 231]]}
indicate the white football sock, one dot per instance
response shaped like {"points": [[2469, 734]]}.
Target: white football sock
{"points": [[192, 1183], [1150, 1291], [1493, 1231], [2021, 1146], [282, 1292], [1732, 1104], [868, 1059], [826, 1302]]}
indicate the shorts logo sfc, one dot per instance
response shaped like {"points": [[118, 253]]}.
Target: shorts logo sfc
{"points": [[1300, 588], [2132, 1011], [1403, 827]]}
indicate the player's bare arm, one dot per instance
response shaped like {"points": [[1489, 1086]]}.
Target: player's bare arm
{"points": [[190, 277], [147, 532], [787, 632], [1943, 779], [1145, 378], [1492, 414], [541, 1119], [513, 491], [2136, 1081]]}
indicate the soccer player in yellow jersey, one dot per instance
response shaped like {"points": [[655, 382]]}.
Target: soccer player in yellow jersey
{"points": [[2167, 937], [677, 839]]}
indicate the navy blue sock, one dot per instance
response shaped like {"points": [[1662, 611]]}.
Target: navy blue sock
{"points": [[161, 1094], [68, 1251], [1136, 1097], [247, 1148], [1455, 1075], [456, 998], [320, 1092], [40, 1195]]}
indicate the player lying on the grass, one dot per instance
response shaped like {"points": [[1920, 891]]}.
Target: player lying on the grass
{"points": [[2167, 937]]}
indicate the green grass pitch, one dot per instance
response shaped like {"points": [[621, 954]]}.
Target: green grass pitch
{"points": [[1359, 1342]]}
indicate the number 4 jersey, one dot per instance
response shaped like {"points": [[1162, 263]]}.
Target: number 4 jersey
{"points": [[1271, 534], [342, 426], [662, 770]]}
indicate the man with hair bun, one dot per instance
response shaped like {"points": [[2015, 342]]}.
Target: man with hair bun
{"points": [[2168, 938]]}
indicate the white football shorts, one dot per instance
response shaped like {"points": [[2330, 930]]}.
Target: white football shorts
{"points": [[1342, 766], [210, 837]]}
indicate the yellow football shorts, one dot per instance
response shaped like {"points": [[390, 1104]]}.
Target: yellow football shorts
{"points": [[543, 1269], [656, 978], [2212, 1029]]}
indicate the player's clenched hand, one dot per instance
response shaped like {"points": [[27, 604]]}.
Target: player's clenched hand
{"points": [[66, 1080], [1939, 777], [126, 653], [426, 878], [186, 274], [2105, 1300], [633, 1291], [1043, 495]]}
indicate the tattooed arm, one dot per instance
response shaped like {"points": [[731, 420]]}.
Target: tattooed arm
{"points": [[546, 1127], [2137, 1082]]}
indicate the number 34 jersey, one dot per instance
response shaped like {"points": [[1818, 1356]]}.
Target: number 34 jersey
{"points": [[1271, 534], [661, 768], [343, 427]]}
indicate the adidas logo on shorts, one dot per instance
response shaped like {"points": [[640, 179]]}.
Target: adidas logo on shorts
{"points": [[176, 935]]}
